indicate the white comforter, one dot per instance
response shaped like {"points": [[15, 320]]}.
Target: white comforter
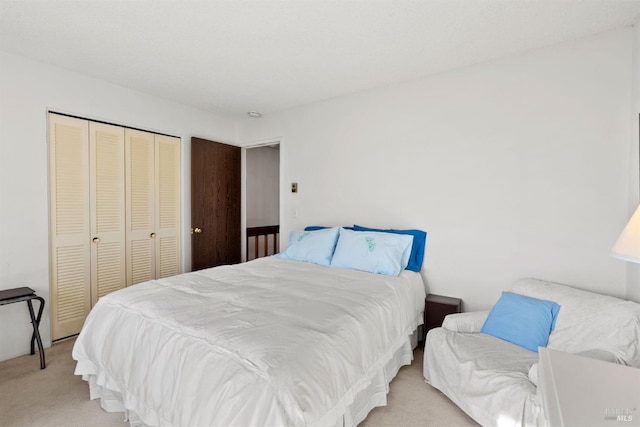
{"points": [[266, 343]]}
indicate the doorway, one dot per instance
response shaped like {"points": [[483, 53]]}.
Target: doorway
{"points": [[262, 200]]}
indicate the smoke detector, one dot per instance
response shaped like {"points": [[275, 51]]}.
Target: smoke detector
{"points": [[254, 114]]}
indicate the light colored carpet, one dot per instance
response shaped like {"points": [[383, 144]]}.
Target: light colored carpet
{"points": [[55, 397]]}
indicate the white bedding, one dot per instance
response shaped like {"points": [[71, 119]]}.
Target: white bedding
{"points": [[267, 343]]}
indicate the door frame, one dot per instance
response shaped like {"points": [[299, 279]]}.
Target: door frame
{"points": [[243, 186]]}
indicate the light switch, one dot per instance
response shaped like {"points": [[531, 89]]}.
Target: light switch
{"points": [[294, 187]]}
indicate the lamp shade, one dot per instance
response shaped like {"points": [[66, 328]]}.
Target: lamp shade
{"points": [[627, 246]]}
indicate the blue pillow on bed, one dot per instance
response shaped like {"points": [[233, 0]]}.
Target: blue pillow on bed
{"points": [[381, 253], [417, 249], [311, 246], [321, 227], [522, 320]]}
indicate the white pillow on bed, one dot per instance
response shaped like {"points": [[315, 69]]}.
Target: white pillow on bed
{"points": [[375, 252], [311, 246]]}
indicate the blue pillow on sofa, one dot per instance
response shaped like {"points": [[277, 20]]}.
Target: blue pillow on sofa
{"points": [[417, 250], [522, 320]]}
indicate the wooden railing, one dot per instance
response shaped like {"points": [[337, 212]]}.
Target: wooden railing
{"points": [[263, 250]]}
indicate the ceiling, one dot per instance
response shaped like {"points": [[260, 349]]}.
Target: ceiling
{"points": [[234, 56]]}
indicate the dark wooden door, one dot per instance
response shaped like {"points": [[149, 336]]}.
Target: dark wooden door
{"points": [[215, 204]]}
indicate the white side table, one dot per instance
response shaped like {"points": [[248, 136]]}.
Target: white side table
{"points": [[579, 391]]}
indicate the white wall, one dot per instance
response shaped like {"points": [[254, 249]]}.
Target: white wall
{"points": [[515, 168], [633, 270], [27, 90]]}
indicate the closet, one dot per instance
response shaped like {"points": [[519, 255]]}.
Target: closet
{"points": [[114, 213]]}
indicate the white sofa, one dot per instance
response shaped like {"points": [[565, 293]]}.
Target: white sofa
{"points": [[494, 381]]}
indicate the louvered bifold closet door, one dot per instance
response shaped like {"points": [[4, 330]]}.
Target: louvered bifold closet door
{"points": [[106, 151], [167, 166], [140, 203], [69, 224]]}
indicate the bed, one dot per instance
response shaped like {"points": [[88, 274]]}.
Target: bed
{"points": [[271, 342]]}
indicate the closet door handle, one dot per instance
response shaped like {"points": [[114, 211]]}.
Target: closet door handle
{"points": [[152, 235], [197, 230], [96, 240]]}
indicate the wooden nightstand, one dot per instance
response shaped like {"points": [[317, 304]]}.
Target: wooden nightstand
{"points": [[436, 307]]}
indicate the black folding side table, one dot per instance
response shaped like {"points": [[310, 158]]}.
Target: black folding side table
{"points": [[9, 296]]}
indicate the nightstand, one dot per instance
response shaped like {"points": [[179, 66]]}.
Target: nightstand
{"points": [[436, 307]]}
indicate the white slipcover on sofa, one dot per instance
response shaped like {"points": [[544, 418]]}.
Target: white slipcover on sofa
{"points": [[494, 381]]}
